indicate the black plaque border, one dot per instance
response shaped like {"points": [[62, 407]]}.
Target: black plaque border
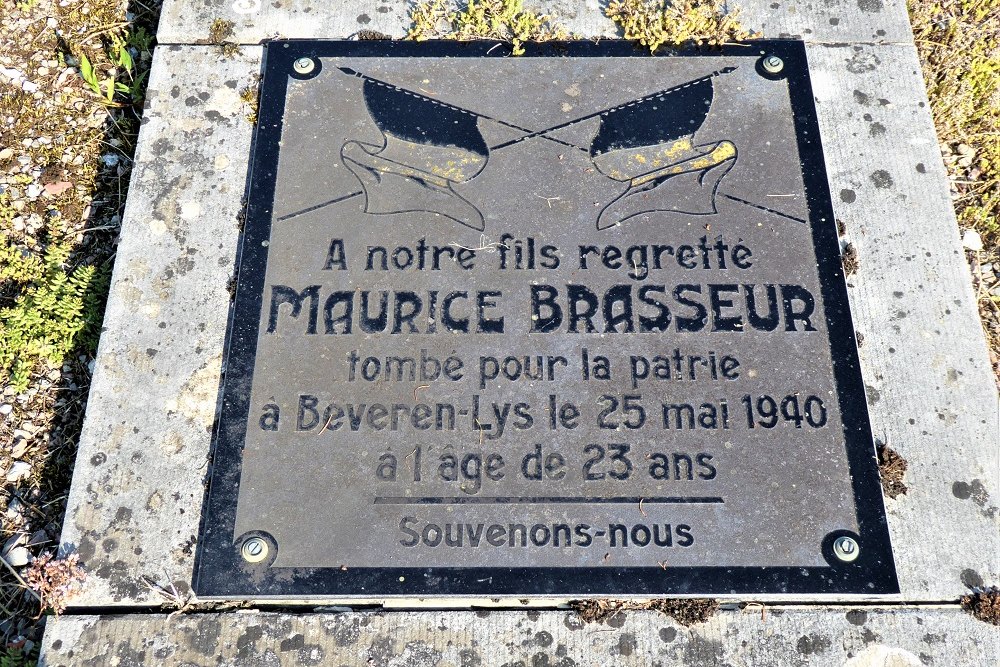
{"points": [[220, 572]]}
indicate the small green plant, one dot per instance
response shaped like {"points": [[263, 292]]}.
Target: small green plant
{"points": [[119, 54], [12, 657], [140, 40], [505, 20], [89, 75], [54, 580], [654, 23], [55, 310]]}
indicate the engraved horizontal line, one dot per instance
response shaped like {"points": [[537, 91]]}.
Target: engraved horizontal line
{"points": [[548, 500], [762, 208], [318, 206]]}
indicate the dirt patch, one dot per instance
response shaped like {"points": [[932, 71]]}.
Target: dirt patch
{"points": [[850, 259], [686, 611], [363, 35], [891, 468], [984, 605], [72, 83]]}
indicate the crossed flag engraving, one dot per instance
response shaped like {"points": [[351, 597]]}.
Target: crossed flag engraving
{"points": [[646, 144]]}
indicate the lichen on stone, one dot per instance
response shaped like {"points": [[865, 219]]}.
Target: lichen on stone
{"points": [[221, 33]]}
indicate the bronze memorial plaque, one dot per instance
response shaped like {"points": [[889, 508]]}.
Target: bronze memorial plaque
{"points": [[571, 323]]}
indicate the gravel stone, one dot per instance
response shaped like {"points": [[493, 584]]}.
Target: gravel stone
{"points": [[971, 240], [18, 557], [18, 471]]}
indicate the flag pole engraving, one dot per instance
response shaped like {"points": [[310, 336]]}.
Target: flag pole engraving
{"points": [[647, 144]]}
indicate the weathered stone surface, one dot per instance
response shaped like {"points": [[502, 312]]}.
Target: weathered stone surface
{"points": [[931, 394], [867, 637], [188, 21], [138, 484]]}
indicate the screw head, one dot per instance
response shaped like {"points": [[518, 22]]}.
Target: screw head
{"points": [[254, 549], [304, 66], [846, 549], [772, 64]]}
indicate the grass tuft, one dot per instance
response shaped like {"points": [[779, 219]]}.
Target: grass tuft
{"points": [[959, 46], [505, 20], [655, 23], [959, 42]]}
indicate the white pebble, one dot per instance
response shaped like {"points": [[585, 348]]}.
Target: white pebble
{"points": [[971, 240], [18, 471], [18, 557]]}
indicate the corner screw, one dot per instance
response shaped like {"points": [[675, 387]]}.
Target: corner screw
{"points": [[305, 66], [773, 64], [846, 549], [254, 550]]}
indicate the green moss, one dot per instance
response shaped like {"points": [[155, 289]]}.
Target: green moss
{"points": [[55, 309], [220, 31], [505, 20], [655, 23]]}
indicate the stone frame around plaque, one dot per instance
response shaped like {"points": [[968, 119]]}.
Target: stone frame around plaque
{"points": [[221, 571]]}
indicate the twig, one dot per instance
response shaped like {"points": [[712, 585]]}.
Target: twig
{"points": [[108, 28], [20, 580], [483, 245], [327, 424]]}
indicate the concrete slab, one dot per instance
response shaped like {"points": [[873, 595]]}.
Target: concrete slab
{"points": [[849, 637], [931, 394], [134, 508], [139, 479], [839, 21]]}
